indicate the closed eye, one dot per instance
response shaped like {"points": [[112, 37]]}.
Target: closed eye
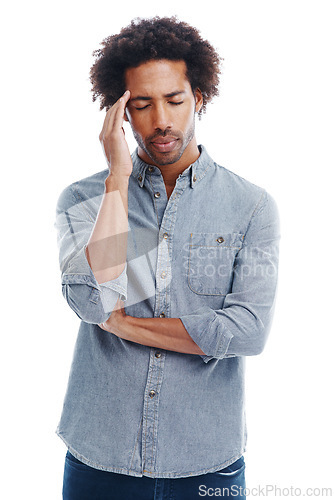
{"points": [[144, 107], [170, 102]]}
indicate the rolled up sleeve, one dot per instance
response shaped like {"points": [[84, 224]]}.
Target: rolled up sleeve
{"points": [[91, 301], [242, 326]]}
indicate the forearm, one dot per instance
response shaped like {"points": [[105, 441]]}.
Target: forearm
{"points": [[107, 246], [163, 333]]}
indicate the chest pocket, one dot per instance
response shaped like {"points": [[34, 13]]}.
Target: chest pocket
{"points": [[211, 261]]}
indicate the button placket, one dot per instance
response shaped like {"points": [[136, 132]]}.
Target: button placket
{"points": [[162, 305], [151, 409], [158, 193]]}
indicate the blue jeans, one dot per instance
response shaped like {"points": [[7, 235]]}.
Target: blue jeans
{"points": [[82, 482]]}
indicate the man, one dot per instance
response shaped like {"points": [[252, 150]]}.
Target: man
{"points": [[170, 261]]}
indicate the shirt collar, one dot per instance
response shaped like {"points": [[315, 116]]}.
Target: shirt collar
{"points": [[194, 173]]}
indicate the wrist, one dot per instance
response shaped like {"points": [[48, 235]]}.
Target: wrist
{"points": [[129, 326], [115, 182]]}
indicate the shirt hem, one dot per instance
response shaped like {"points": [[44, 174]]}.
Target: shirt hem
{"points": [[147, 473]]}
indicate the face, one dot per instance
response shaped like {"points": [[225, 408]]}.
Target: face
{"points": [[161, 111]]}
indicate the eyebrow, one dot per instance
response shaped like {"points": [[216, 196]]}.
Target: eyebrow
{"points": [[148, 98]]}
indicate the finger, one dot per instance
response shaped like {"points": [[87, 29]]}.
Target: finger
{"points": [[126, 96], [120, 110], [109, 120], [104, 327]]}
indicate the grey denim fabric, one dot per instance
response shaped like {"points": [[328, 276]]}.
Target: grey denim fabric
{"points": [[209, 256]]}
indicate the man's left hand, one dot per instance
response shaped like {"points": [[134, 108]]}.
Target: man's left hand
{"points": [[116, 321]]}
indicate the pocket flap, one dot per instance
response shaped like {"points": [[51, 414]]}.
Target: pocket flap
{"points": [[231, 240]]}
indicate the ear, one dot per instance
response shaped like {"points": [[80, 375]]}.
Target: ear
{"points": [[198, 100]]}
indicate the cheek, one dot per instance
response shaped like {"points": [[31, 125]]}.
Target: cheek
{"points": [[189, 122], [135, 125], [137, 122], [189, 114]]}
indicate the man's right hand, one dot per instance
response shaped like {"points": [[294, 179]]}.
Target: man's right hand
{"points": [[106, 249], [113, 140]]}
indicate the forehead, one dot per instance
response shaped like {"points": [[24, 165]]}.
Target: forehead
{"points": [[153, 77]]}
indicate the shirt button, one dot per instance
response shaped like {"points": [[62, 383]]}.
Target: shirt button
{"points": [[163, 274], [162, 315], [194, 178], [165, 235], [156, 195], [220, 239], [158, 354], [140, 178], [150, 169], [152, 394]]}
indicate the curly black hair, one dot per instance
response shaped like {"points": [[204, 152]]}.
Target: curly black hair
{"points": [[154, 38]]}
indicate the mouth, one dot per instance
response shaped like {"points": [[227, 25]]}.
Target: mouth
{"points": [[164, 144]]}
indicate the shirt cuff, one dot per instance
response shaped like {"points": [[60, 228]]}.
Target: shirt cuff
{"points": [[206, 329], [79, 272], [108, 289]]}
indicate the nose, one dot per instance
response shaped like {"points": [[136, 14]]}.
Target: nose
{"points": [[161, 117]]}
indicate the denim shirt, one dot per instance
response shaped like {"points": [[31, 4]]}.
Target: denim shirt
{"points": [[207, 255]]}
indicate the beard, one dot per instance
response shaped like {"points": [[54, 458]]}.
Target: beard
{"points": [[170, 157]]}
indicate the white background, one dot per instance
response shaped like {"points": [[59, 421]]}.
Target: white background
{"points": [[272, 124]]}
